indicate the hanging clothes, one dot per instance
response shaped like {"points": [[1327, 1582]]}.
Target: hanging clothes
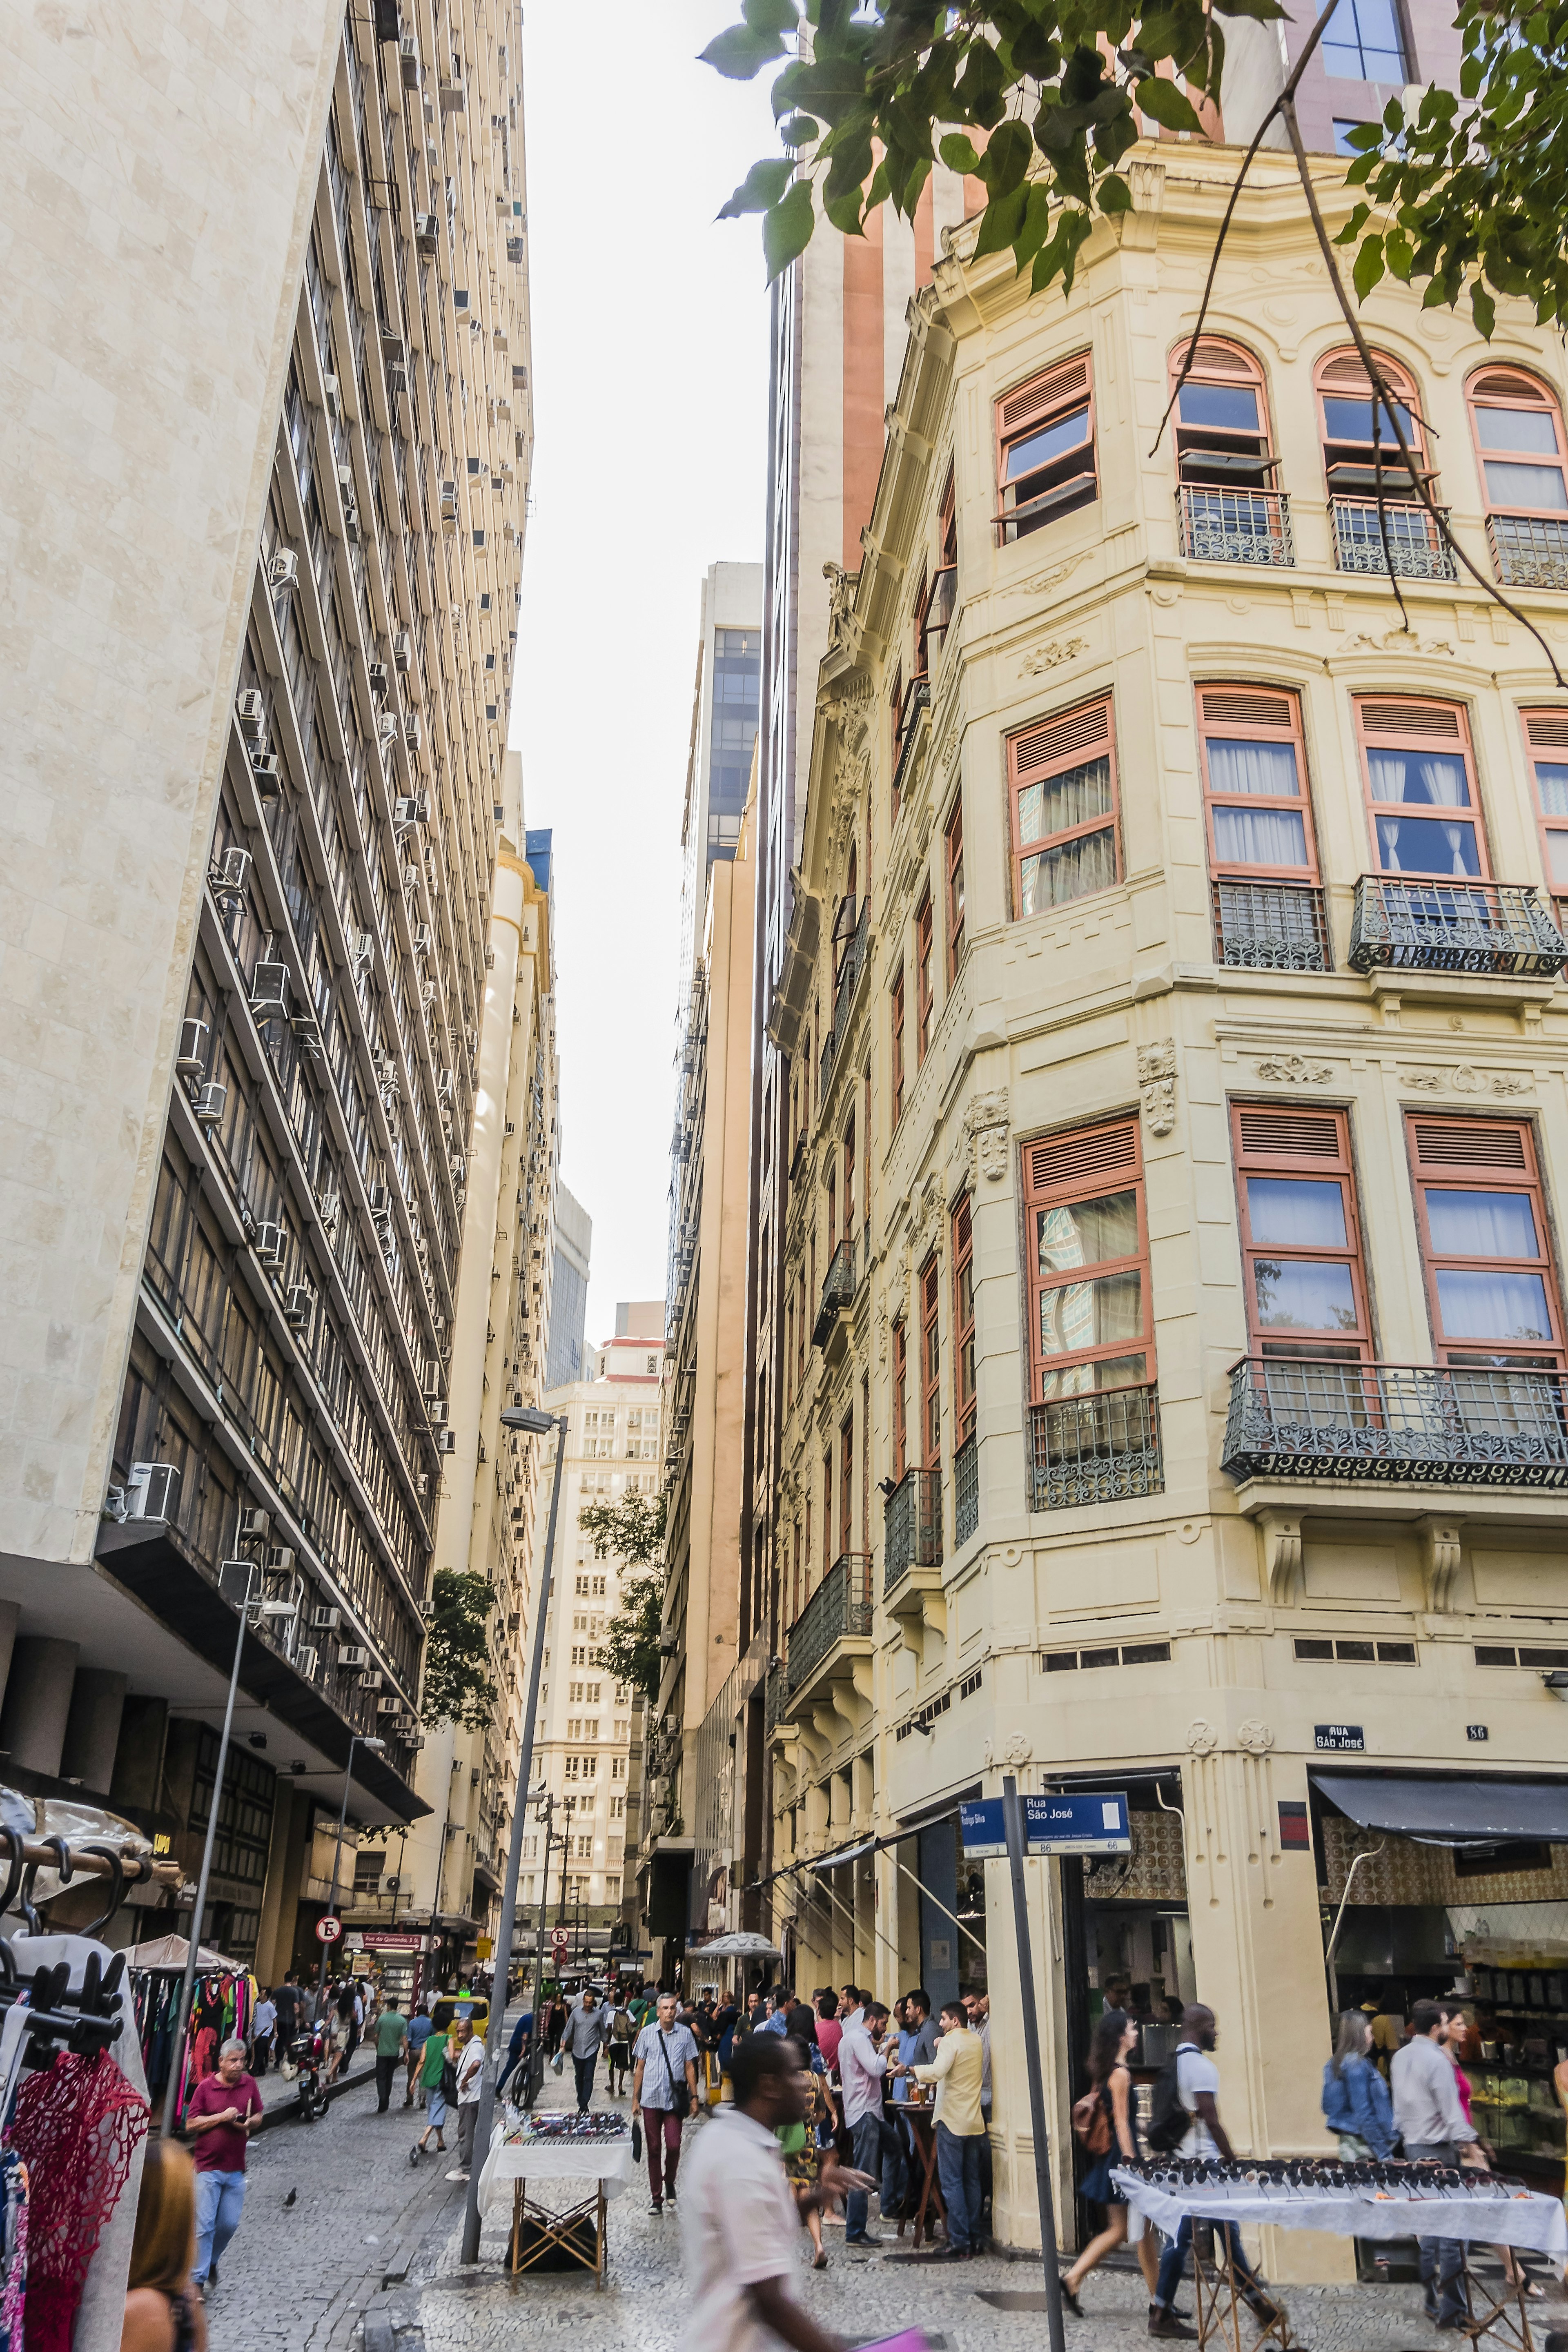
{"points": [[13, 2249], [77, 2126]]}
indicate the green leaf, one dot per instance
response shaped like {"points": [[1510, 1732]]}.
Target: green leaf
{"points": [[786, 229], [1483, 310], [761, 188], [958, 153], [1113, 194], [1365, 135], [1368, 267], [1166, 104], [846, 214], [1036, 227], [1002, 222], [765, 17], [799, 130], [1006, 159], [740, 53], [1396, 252]]}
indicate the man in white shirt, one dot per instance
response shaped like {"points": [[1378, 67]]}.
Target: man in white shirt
{"points": [[740, 2224], [1430, 2118], [862, 2063], [470, 2079], [1197, 2088]]}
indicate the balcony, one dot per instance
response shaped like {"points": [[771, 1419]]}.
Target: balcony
{"points": [[775, 1699], [1415, 545], [965, 1491], [838, 1610], [1498, 927], [837, 1292], [912, 1527], [851, 967], [1271, 927], [1528, 551], [1470, 1425], [917, 698], [1097, 1448], [1235, 526]]}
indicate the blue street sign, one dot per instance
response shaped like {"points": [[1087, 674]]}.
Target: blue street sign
{"points": [[1077, 1822], [981, 1828]]}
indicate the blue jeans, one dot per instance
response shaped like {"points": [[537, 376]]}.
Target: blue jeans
{"points": [[220, 2200], [958, 2169], [1172, 2262], [866, 2136], [1442, 2259]]}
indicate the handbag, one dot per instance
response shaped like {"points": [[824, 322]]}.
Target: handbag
{"points": [[637, 2139], [679, 2089], [557, 2063], [1092, 2124], [450, 2084]]}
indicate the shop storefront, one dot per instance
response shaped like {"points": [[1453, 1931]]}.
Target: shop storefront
{"points": [[1434, 1885]]}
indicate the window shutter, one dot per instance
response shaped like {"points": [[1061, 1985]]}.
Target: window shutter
{"points": [[1288, 1134], [1064, 1161], [1229, 706], [1215, 361], [1504, 384], [1547, 730], [1471, 1143], [1439, 719], [1032, 401], [1087, 728]]}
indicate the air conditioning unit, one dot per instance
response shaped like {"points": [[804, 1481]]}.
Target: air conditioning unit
{"points": [[402, 650], [448, 1441], [191, 1059], [251, 712], [151, 1491], [362, 947], [446, 1085], [307, 1658], [280, 1561], [423, 938], [453, 100], [412, 808], [283, 571], [209, 1105], [514, 1622], [427, 233], [408, 59], [325, 1620], [388, 1705], [378, 679], [266, 774], [255, 1525], [380, 1199], [333, 397], [413, 1745], [271, 1241], [299, 1306], [450, 499], [269, 991], [353, 1660], [371, 1679], [232, 871]]}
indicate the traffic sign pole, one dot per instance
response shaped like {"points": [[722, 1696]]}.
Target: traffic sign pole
{"points": [[1013, 1822]]}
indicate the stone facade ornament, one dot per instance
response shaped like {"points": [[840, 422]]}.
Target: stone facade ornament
{"points": [[1202, 1737], [1015, 1749], [1052, 655], [985, 1132], [1254, 1736], [1157, 1079], [1465, 1079], [1290, 1070]]}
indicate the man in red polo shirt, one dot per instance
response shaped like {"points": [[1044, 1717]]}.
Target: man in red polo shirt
{"points": [[222, 2113]]}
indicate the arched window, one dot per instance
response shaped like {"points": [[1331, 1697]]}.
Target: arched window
{"points": [[1362, 458], [1045, 449], [1523, 458], [1231, 511]]}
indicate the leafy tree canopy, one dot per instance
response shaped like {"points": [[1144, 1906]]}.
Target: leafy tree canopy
{"points": [[458, 1686], [1039, 100], [632, 1530]]}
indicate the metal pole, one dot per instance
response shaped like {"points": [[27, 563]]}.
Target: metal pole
{"points": [[534, 2078], [1013, 1816], [514, 1856], [337, 1859], [187, 1985]]}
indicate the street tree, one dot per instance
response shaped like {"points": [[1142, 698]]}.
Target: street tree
{"points": [[632, 1531]]}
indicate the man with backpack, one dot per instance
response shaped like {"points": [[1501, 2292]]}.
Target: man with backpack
{"points": [[1184, 2121]]}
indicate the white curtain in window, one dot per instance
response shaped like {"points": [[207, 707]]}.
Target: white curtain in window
{"points": [[1481, 1224], [1296, 1212], [1076, 798], [1421, 846], [1436, 779], [1073, 871], [1244, 836], [1480, 1304], [1267, 769]]}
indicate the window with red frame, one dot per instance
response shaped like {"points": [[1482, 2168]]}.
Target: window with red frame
{"points": [[925, 979], [1255, 784], [1546, 747], [832, 1210], [962, 1322], [953, 862], [896, 1057], [947, 524], [1222, 422], [1300, 1236], [1523, 456], [846, 1483], [1062, 786], [1422, 810], [849, 1181], [901, 1398], [1045, 450], [1486, 1242], [930, 1364], [1091, 1317], [800, 1332], [1361, 448], [895, 723], [827, 1508]]}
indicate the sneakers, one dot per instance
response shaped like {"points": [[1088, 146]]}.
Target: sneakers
{"points": [[1165, 2323], [656, 2207], [456, 2173]]}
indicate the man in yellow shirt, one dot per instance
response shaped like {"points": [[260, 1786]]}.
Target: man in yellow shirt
{"points": [[956, 2071]]}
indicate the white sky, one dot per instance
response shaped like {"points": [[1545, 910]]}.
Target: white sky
{"points": [[650, 373]]}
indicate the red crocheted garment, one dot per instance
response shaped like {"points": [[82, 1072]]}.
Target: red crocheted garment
{"points": [[77, 2126]]}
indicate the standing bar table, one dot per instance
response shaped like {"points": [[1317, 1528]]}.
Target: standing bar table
{"points": [[521, 2153]]}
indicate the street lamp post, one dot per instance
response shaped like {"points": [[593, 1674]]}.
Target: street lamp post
{"points": [[273, 1609], [539, 1424], [377, 1746]]}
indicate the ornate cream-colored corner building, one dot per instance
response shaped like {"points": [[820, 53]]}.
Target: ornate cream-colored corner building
{"points": [[1173, 1346]]}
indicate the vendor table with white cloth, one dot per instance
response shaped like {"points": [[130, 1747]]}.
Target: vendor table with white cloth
{"points": [[1491, 2214], [517, 2158]]}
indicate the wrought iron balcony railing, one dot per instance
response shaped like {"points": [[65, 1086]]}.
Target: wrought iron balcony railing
{"points": [[965, 1490], [912, 1527], [774, 1702], [917, 698], [1102, 1447], [1416, 547], [1271, 927], [1483, 927], [838, 1610], [837, 1291], [849, 971], [1528, 551], [1235, 526], [1456, 1426]]}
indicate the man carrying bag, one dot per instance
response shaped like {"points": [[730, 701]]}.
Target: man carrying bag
{"points": [[664, 2092]]}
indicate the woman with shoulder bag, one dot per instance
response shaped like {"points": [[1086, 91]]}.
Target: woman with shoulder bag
{"points": [[1103, 2122]]}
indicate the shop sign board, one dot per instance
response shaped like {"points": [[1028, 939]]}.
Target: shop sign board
{"points": [[1075, 1821], [1340, 1737], [388, 1939]]}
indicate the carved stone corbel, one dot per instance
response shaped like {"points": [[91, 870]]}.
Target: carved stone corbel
{"points": [[1440, 1551], [1282, 1569]]}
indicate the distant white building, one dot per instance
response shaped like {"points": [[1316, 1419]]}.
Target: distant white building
{"points": [[569, 1292]]}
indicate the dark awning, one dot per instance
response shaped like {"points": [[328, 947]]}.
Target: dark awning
{"points": [[1473, 1811]]}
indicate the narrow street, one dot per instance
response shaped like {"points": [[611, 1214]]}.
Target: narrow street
{"points": [[311, 2274]]}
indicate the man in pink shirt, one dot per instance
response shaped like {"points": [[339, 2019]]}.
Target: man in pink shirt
{"points": [[829, 2032], [220, 2116]]}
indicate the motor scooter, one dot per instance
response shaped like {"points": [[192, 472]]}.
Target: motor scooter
{"points": [[308, 2050]]}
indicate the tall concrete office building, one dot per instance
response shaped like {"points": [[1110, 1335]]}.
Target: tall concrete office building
{"points": [[724, 705], [262, 530], [569, 1296]]}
